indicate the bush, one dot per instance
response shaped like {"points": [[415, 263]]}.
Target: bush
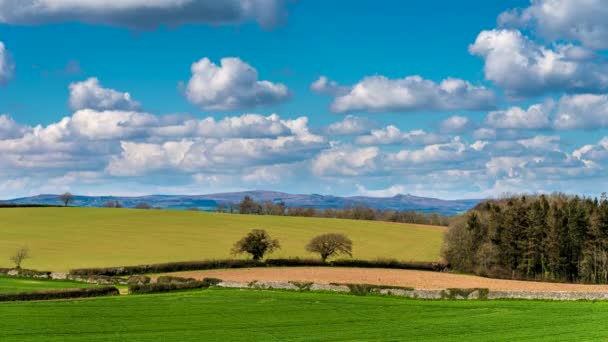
{"points": [[172, 279], [60, 294], [454, 293], [302, 285], [173, 286], [224, 264], [365, 289], [294, 262], [394, 264], [168, 267], [208, 282], [138, 279]]}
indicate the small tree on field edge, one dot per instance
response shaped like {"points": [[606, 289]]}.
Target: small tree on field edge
{"points": [[328, 245], [20, 255], [66, 198], [257, 243]]}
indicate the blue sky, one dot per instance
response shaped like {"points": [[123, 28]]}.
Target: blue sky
{"points": [[435, 98]]}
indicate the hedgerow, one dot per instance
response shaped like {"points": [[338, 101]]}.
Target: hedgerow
{"points": [[60, 294], [229, 263]]}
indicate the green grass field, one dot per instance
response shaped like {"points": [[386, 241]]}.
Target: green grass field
{"points": [[64, 238], [12, 284], [236, 315]]}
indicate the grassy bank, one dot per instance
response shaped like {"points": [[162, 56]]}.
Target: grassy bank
{"points": [[13, 284], [222, 314], [63, 238]]}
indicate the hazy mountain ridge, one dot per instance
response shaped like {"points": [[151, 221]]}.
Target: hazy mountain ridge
{"points": [[209, 201]]}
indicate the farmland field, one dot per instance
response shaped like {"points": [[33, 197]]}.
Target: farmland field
{"points": [[422, 280], [13, 284], [237, 315], [64, 238]]}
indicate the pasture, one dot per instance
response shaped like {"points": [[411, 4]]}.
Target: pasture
{"points": [[237, 315], [14, 284], [63, 238]]}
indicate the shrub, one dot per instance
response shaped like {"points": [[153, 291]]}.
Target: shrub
{"points": [[168, 287], [364, 289], [211, 281], [294, 262], [60, 294], [168, 267], [138, 279], [302, 285], [172, 279], [394, 264], [454, 293], [231, 263]]}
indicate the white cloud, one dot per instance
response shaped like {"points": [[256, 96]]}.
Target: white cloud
{"points": [[346, 161], [144, 14], [388, 192], [535, 117], [381, 94], [90, 94], [582, 111], [324, 85], [574, 20], [453, 151], [392, 135], [455, 124], [232, 85], [350, 125], [9, 129], [523, 68], [7, 66]]}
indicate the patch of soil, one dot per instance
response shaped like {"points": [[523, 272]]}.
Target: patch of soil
{"points": [[416, 279]]}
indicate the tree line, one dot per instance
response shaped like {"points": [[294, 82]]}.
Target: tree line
{"points": [[249, 206], [546, 237]]}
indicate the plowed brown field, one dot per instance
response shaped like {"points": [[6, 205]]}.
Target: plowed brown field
{"points": [[415, 279]]}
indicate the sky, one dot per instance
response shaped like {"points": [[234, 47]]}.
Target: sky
{"points": [[467, 99]]}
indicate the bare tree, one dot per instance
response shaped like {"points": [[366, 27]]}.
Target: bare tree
{"points": [[112, 204], [257, 243], [66, 198], [20, 255], [328, 245]]}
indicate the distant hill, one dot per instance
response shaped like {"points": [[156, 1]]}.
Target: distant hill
{"points": [[210, 201]]}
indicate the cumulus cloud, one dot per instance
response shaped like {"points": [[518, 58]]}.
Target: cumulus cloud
{"points": [[582, 111], [391, 135], [232, 85], [573, 20], [455, 124], [381, 94], [7, 66], [324, 85], [9, 129], [350, 125], [89, 94], [523, 68], [143, 14], [535, 117], [346, 161]]}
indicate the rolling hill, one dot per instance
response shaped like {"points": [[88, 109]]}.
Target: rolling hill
{"points": [[64, 238], [210, 201]]}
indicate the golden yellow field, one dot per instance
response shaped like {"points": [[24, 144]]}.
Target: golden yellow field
{"points": [[64, 238]]}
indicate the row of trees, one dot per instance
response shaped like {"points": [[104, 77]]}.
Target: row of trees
{"points": [[259, 243], [251, 207], [557, 237]]}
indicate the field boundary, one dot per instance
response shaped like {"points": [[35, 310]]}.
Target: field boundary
{"points": [[444, 294], [245, 263]]}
